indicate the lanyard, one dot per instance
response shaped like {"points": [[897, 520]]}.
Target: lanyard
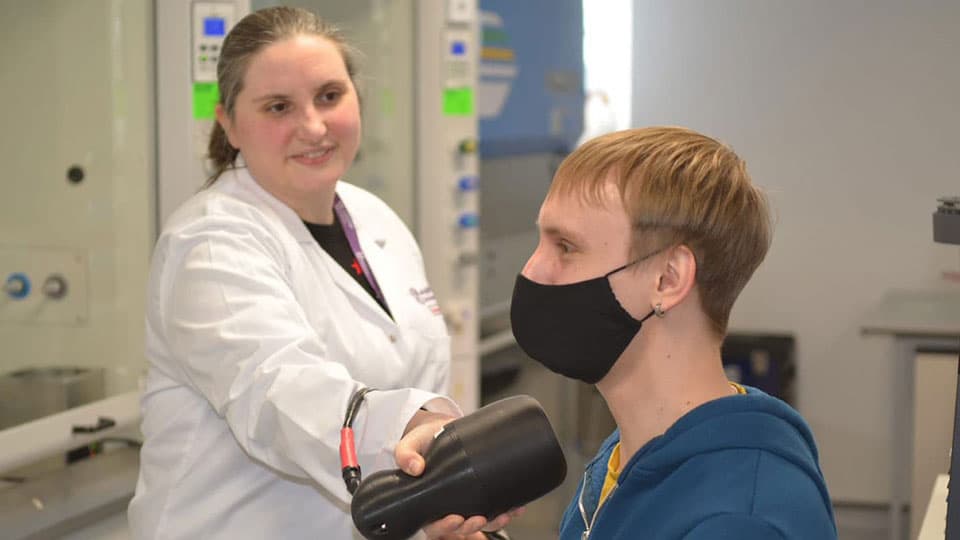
{"points": [[351, 233]]}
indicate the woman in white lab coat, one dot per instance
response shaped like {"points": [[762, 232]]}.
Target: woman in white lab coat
{"points": [[275, 294]]}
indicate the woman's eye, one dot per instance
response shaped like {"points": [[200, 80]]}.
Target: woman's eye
{"points": [[564, 247], [330, 97], [277, 107]]}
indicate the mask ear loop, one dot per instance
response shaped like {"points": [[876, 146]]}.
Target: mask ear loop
{"points": [[635, 261], [614, 271], [657, 309]]}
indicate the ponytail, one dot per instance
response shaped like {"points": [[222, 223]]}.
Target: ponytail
{"points": [[222, 155]]}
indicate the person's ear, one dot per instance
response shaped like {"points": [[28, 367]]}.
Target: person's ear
{"points": [[677, 277], [224, 120]]}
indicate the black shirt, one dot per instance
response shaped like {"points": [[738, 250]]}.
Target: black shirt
{"points": [[334, 241]]}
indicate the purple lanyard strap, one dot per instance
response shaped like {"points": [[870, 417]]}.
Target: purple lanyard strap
{"points": [[351, 233]]}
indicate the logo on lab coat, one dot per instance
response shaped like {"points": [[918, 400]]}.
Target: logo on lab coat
{"points": [[426, 297]]}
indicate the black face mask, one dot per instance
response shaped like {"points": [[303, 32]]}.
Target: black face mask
{"points": [[577, 330]]}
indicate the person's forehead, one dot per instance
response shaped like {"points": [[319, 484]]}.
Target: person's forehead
{"points": [[302, 57], [588, 199], [571, 214]]}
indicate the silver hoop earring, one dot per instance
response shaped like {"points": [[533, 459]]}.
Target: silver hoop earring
{"points": [[658, 311]]}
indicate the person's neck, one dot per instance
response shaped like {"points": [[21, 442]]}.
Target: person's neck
{"points": [[313, 206], [318, 208], [668, 370]]}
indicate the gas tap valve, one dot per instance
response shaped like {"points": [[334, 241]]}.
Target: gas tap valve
{"points": [[54, 287], [17, 286]]}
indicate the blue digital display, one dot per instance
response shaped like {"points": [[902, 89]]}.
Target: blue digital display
{"points": [[458, 48], [214, 26]]}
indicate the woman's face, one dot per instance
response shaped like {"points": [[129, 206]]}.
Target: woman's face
{"points": [[296, 120]]}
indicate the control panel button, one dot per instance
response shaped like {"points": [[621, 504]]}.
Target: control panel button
{"points": [[17, 286], [468, 146], [468, 183], [468, 220]]}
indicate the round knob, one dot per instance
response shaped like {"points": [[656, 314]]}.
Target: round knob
{"points": [[75, 174], [17, 286], [468, 146], [468, 183], [468, 220], [55, 287]]}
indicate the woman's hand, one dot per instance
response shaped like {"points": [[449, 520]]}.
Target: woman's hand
{"points": [[417, 438]]}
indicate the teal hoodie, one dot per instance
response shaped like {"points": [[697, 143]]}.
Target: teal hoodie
{"points": [[742, 467]]}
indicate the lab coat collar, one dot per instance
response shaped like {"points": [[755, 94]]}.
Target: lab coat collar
{"points": [[292, 222]]}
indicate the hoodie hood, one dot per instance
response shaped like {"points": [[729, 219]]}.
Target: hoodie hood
{"points": [[748, 458], [754, 420], [751, 421]]}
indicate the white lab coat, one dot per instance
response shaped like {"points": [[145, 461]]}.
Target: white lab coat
{"points": [[256, 339]]}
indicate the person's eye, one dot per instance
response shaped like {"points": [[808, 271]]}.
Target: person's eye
{"points": [[564, 247], [330, 96], [277, 108]]}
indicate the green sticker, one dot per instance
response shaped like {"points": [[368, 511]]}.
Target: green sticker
{"points": [[205, 98], [388, 102], [458, 101]]}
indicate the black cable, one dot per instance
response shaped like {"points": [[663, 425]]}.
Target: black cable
{"points": [[349, 466], [355, 401]]}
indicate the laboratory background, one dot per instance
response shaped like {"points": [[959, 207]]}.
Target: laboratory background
{"points": [[846, 113]]}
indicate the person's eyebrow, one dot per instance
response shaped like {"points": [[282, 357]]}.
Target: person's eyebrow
{"points": [[270, 97], [559, 231], [332, 83]]}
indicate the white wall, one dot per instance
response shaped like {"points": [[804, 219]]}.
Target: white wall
{"points": [[607, 40], [849, 114]]}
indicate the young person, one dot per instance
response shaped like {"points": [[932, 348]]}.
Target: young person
{"points": [[647, 236], [275, 294]]}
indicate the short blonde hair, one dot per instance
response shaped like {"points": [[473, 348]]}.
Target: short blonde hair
{"points": [[680, 187]]}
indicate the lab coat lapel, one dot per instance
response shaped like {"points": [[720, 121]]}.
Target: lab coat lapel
{"points": [[371, 252], [348, 284], [373, 243], [345, 281]]}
